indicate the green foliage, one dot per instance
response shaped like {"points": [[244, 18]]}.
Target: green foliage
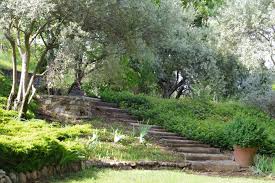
{"points": [[30, 145], [245, 133], [196, 119], [5, 116], [205, 9], [264, 165], [127, 74], [130, 152], [3, 102], [5, 85]]}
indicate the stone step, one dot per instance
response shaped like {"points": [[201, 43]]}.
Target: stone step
{"points": [[122, 119], [111, 109], [185, 145], [120, 116], [151, 126], [104, 104], [215, 166], [83, 117], [198, 150], [163, 134], [204, 157], [173, 138], [164, 140]]}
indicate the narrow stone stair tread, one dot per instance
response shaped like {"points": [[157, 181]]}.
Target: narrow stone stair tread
{"points": [[215, 166], [173, 138], [198, 150], [180, 141], [153, 132], [151, 126], [114, 109], [185, 145], [205, 156]]}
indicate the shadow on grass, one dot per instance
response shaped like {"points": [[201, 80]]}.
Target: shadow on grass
{"points": [[89, 174]]}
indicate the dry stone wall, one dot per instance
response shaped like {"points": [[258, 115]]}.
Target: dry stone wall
{"points": [[68, 107]]}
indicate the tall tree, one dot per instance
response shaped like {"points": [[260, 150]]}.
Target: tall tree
{"points": [[28, 25], [246, 29]]}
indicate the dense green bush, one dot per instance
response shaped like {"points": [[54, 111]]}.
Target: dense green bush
{"points": [[196, 119], [25, 146], [245, 133]]}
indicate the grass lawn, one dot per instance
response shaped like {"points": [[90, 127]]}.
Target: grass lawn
{"points": [[273, 87], [144, 176]]}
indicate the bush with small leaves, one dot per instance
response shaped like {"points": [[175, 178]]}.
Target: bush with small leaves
{"points": [[245, 133]]}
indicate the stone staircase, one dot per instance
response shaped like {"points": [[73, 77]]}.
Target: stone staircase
{"points": [[201, 156]]}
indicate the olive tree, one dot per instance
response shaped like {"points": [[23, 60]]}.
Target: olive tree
{"points": [[29, 26], [246, 29]]}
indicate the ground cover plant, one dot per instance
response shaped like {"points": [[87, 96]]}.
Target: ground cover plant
{"points": [[196, 119], [30, 145], [264, 165], [5, 85], [115, 142]]}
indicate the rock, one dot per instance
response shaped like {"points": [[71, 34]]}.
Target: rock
{"points": [[75, 167], [28, 176], [88, 164], [2, 173], [38, 173], [48, 102], [22, 178], [54, 170], [13, 177], [50, 171], [8, 180], [57, 168], [44, 172], [34, 175], [83, 165]]}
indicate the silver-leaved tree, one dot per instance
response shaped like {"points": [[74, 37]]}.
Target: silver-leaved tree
{"points": [[32, 29]]}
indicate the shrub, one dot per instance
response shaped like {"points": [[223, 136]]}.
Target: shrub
{"points": [[5, 85], [245, 133], [26, 146]]}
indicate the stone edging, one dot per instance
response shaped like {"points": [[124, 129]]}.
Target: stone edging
{"points": [[127, 165], [48, 171]]}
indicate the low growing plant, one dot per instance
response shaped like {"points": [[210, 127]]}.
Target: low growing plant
{"points": [[245, 133], [143, 131], [264, 165]]}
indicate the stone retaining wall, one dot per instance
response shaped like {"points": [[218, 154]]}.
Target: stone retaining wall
{"points": [[48, 171], [67, 107]]}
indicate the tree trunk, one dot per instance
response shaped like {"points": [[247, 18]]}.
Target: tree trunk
{"points": [[180, 92], [12, 94], [25, 57], [25, 98]]}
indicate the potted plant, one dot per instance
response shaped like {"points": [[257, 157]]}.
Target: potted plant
{"points": [[246, 136]]}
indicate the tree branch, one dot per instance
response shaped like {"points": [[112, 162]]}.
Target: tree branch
{"points": [[39, 31]]}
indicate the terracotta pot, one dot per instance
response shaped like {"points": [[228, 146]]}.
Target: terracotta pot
{"points": [[244, 156]]}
